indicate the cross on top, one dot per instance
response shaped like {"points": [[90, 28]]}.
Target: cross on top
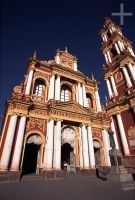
{"points": [[122, 14]]}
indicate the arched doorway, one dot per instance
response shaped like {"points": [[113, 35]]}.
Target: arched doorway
{"points": [[31, 155], [96, 145], [67, 150]]}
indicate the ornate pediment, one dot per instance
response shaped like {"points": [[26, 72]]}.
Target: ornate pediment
{"points": [[71, 107]]}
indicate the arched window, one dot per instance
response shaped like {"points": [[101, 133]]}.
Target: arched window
{"points": [[65, 93], [113, 52], [89, 101], [39, 88]]}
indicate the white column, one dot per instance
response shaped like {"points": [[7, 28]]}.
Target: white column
{"points": [[91, 148], [85, 147], [48, 158], [131, 51], [75, 66], [120, 46], [123, 135], [51, 87], [115, 135], [57, 59], [128, 81], [98, 101], [19, 144], [105, 38], [57, 146], [117, 49], [109, 57], [80, 97], [111, 31], [8, 143], [109, 88], [80, 145], [57, 88], [29, 82], [134, 68], [77, 95], [84, 96], [130, 67], [113, 85], [106, 58], [106, 146]]}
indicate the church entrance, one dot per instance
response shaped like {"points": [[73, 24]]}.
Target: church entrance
{"points": [[97, 152], [67, 150], [67, 157], [31, 155]]}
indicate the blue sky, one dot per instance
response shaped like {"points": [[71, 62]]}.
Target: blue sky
{"points": [[49, 25]]}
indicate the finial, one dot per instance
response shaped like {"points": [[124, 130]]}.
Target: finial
{"points": [[92, 77], [35, 55], [66, 50]]}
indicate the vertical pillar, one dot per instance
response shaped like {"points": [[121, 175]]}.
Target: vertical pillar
{"points": [[115, 135], [109, 88], [49, 145], [84, 96], [29, 82], [117, 49], [57, 146], [80, 142], [106, 58], [57, 88], [106, 146], [85, 147], [130, 67], [98, 101], [57, 59], [120, 46], [51, 87], [113, 85], [19, 144], [128, 81], [8, 143], [80, 97], [91, 148], [77, 95], [109, 57], [123, 135], [75, 66]]}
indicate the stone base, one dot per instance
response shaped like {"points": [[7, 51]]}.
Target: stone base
{"points": [[8, 176], [120, 174], [88, 172], [53, 174]]}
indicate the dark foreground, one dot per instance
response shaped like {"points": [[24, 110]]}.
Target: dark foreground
{"points": [[71, 188]]}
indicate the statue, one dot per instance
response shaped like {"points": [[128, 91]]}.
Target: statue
{"points": [[112, 142]]}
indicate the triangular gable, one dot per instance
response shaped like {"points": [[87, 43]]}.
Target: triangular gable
{"points": [[70, 107]]}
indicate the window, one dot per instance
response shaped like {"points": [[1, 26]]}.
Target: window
{"points": [[89, 101], [65, 94], [39, 88]]}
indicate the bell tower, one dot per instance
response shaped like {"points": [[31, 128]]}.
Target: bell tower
{"points": [[119, 74]]}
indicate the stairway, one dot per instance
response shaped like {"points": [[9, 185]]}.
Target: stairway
{"points": [[28, 177]]}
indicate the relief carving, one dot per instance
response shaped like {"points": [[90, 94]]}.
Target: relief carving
{"points": [[131, 131], [38, 124]]}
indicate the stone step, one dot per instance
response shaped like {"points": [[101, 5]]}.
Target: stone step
{"points": [[128, 186], [32, 177]]}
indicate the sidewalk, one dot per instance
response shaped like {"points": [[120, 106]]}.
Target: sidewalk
{"points": [[71, 188]]}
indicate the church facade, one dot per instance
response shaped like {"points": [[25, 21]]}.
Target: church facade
{"points": [[54, 121], [119, 74]]}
